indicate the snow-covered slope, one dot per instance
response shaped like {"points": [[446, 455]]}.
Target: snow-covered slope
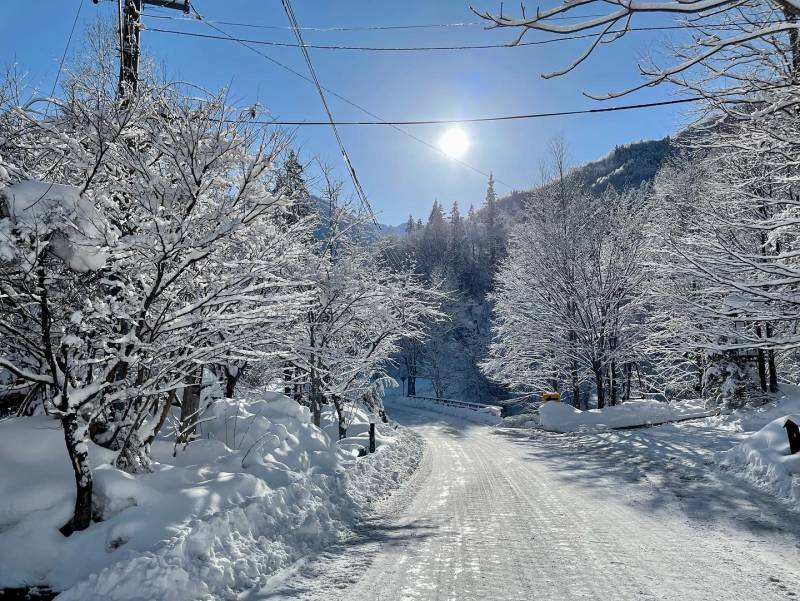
{"points": [[260, 489]]}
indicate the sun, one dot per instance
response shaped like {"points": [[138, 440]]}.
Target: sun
{"points": [[454, 142]]}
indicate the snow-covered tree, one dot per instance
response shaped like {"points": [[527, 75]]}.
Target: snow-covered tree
{"points": [[138, 245], [735, 48], [568, 301]]}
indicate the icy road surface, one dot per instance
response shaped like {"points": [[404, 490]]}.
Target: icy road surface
{"points": [[500, 514]]}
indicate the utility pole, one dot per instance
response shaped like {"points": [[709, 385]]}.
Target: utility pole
{"points": [[130, 24]]}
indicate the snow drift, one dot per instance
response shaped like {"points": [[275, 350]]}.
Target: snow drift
{"points": [[764, 459], [261, 488], [561, 417]]}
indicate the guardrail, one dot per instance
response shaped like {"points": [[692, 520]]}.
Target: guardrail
{"points": [[457, 403]]}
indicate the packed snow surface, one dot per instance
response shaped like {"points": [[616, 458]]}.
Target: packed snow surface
{"points": [[515, 515], [261, 488], [561, 417]]}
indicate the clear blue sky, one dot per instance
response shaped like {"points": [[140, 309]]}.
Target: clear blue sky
{"points": [[399, 175]]}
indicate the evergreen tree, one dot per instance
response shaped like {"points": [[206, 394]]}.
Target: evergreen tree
{"points": [[490, 216], [456, 225], [410, 225], [434, 241], [290, 182], [456, 250]]}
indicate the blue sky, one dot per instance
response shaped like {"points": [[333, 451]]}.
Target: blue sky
{"points": [[399, 175]]}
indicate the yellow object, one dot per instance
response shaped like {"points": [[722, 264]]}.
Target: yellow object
{"points": [[551, 396]]}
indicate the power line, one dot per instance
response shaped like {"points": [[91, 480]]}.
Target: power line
{"points": [[287, 6], [424, 48], [359, 27], [607, 109], [64, 54], [362, 195], [346, 100]]}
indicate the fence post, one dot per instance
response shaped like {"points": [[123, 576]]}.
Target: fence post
{"points": [[793, 431], [372, 438]]}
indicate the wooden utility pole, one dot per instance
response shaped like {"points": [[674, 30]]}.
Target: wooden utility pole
{"points": [[130, 23]]}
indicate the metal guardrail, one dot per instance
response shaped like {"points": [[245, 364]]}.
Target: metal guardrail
{"points": [[457, 403]]}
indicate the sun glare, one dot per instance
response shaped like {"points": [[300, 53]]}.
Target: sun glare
{"points": [[454, 143]]}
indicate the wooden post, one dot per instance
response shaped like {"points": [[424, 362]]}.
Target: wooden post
{"points": [[130, 21], [372, 438], [793, 430]]}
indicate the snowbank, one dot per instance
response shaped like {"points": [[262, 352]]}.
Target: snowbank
{"points": [[763, 458], [486, 415], [751, 419], [522, 420], [561, 417], [261, 488]]}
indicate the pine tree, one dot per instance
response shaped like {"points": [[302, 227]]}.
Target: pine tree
{"points": [[490, 215], [290, 182], [456, 250], [436, 218], [410, 225]]}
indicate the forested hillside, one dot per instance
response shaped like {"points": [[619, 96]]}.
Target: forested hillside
{"points": [[463, 250]]}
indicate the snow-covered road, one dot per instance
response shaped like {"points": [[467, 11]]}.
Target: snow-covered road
{"points": [[499, 515]]}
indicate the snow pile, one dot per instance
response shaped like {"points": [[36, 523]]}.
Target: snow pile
{"points": [[262, 488], [522, 420], [489, 414], [40, 208], [561, 417], [751, 419], [763, 458]]}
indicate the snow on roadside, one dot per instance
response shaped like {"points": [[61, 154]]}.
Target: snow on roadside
{"points": [[260, 490], [763, 457], [486, 415], [561, 417]]}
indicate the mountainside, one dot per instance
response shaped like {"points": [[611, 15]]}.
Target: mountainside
{"points": [[626, 166]]}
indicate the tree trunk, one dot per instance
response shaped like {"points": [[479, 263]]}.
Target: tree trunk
{"points": [[762, 368], [190, 404], [79, 459], [287, 379], [298, 386], [412, 385], [612, 384], [337, 402], [316, 409], [601, 391], [162, 418], [577, 400], [773, 372], [231, 379], [628, 369]]}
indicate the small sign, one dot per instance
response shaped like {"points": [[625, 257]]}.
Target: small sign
{"points": [[551, 396]]}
